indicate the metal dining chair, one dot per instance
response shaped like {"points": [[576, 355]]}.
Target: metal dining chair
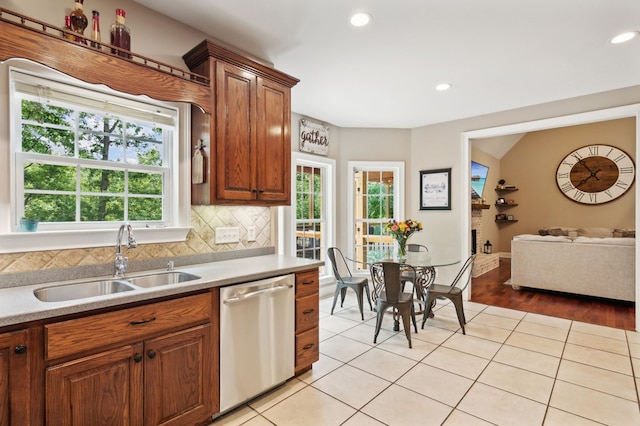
{"points": [[452, 292], [345, 280], [387, 293]]}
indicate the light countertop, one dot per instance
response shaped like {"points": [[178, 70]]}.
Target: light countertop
{"points": [[19, 304]]}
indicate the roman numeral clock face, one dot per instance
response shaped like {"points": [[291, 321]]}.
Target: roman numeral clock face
{"points": [[595, 174]]}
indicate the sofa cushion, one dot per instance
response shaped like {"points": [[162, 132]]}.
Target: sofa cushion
{"points": [[606, 241], [543, 238]]}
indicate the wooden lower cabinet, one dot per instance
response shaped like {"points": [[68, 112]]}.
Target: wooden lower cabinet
{"points": [[179, 367], [162, 381], [101, 389], [152, 364], [307, 320], [15, 379]]}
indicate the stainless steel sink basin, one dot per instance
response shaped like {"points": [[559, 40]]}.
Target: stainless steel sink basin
{"points": [[61, 293], [163, 278]]}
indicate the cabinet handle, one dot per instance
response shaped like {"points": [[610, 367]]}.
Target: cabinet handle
{"points": [[20, 349], [254, 190], [261, 190], [137, 357], [308, 311], [143, 321], [307, 347], [307, 282], [151, 354]]}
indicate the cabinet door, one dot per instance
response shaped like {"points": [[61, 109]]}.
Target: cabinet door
{"points": [[236, 133], [15, 379], [178, 378], [102, 389], [274, 142]]}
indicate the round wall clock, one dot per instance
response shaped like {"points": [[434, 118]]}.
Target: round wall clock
{"points": [[595, 174]]}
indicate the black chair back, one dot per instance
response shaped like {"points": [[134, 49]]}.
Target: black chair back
{"points": [[415, 248], [338, 263], [387, 278], [465, 272]]}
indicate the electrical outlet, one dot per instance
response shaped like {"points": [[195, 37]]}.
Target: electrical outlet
{"points": [[227, 235], [251, 233]]}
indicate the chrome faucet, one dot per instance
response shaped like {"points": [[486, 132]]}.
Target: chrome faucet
{"points": [[121, 261]]}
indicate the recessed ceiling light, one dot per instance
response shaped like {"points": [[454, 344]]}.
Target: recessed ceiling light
{"points": [[443, 86], [360, 19], [621, 38]]}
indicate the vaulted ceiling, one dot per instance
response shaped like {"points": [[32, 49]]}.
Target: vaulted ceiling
{"points": [[497, 54]]}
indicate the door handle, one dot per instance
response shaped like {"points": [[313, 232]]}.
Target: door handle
{"points": [[256, 294], [143, 321]]}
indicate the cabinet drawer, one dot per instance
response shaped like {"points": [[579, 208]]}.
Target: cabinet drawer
{"points": [[126, 325], [307, 312], [307, 348], [307, 283]]}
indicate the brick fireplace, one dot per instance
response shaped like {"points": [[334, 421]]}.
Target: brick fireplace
{"points": [[484, 262]]}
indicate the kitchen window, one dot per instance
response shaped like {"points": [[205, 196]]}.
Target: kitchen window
{"points": [[88, 158]]}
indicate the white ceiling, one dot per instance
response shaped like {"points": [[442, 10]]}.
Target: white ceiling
{"points": [[498, 54]]}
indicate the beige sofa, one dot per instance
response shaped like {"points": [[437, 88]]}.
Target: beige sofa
{"points": [[592, 266]]}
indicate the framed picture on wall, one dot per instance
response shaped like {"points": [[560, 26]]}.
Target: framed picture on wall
{"points": [[435, 189]]}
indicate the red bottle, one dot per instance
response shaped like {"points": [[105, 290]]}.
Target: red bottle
{"points": [[95, 30], [120, 35]]}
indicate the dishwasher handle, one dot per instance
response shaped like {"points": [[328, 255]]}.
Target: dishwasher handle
{"points": [[257, 293]]}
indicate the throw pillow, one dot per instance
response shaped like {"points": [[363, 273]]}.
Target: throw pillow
{"points": [[595, 232]]}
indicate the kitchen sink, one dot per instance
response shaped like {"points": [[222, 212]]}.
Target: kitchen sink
{"points": [[163, 278], [61, 293]]}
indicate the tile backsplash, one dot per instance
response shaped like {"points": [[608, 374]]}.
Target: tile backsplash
{"points": [[200, 240]]}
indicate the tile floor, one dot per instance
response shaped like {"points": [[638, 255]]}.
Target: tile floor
{"points": [[511, 368]]}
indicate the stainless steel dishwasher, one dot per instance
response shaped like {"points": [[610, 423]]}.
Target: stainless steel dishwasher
{"points": [[256, 338]]}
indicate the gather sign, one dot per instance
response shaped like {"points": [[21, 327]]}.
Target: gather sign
{"points": [[314, 137]]}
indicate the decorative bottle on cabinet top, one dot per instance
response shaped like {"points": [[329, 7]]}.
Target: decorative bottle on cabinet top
{"points": [[95, 30], [120, 35], [79, 20], [67, 26]]}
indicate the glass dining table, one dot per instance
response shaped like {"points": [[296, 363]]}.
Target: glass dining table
{"points": [[424, 263]]}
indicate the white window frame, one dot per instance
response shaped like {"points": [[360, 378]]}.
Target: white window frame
{"points": [[176, 225], [287, 219], [397, 167]]}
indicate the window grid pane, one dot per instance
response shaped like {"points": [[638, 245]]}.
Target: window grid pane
{"points": [[310, 213], [59, 192], [373, 208]]}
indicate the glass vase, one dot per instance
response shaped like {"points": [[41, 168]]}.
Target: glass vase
{"points": [[402, 250]]}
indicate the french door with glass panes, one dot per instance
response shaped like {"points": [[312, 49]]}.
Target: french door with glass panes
{"points": [[313, 206], [377, 196]]}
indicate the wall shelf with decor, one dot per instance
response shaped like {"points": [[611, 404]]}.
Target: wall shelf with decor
{"points": [[503, 203], [479, 206]]}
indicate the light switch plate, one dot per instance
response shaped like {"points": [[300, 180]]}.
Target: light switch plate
{"points": [[227, 235], [251, 233]]}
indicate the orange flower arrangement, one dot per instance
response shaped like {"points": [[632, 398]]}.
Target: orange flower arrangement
{"points": [[401, 231]]}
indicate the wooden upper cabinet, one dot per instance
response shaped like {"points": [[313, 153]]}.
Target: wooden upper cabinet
{"points": [[247, 141]]}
